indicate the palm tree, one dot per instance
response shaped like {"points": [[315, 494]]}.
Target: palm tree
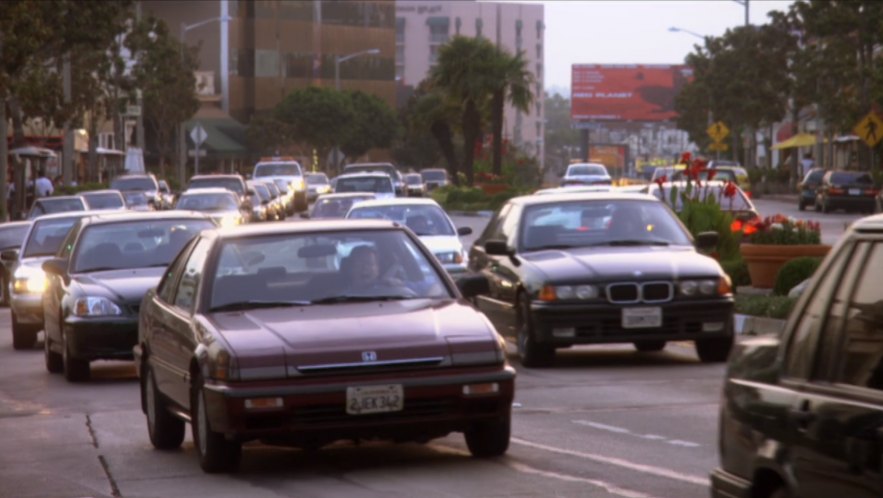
{"points": [[465, 74], [432, 111], [514, 82]]}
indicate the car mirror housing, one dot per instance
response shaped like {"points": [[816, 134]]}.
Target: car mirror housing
{"points": [[498, 248], [464, 231], [56, 266], [707, 240], [473, 285], [9, 255]]}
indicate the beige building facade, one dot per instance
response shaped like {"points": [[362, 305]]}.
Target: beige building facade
{"points": [[422, 26]]}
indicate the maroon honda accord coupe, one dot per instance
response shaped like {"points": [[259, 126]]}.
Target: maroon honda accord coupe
{"points": [[302, 334]]}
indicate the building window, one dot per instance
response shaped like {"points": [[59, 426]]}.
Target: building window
{"points": [[539, 107], [539, 73], [539, 129], [367, 14], [433, 54], [400, 30], [539, 50], [266, 63], [540, 27], [438, 30], [478, 25], [457, 24], [400, 54]]}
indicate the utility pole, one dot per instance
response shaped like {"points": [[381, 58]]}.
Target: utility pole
{"points": [[67, 163]]}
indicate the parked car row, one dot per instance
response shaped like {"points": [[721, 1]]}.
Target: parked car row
{"points": [[829, 190]]}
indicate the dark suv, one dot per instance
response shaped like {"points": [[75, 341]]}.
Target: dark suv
{"points": [[146, 183], [802, 414], [846, 190]]}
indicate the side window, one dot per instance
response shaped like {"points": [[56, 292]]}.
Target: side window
{"points": [[64, 251], [166, 287], [800, 354], [510, 225], [185, 295], [860, 349], [493, 229]]}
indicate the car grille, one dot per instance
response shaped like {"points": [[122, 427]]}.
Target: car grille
{"points": [[644, 292], [605, 324]]}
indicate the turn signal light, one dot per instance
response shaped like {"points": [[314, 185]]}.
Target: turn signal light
{"points": [[725, 286], [547, 293], [481, 389]]}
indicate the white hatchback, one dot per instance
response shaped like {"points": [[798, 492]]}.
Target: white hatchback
{"points": [[427, 220]]}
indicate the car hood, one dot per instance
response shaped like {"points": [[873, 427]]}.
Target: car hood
{"points": [[613, 263], [324, 337], [123, 286], [442, 243]]}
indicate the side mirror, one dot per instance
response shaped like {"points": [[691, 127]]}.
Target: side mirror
{"points": [[473, 285], [707, 240], [56, 266], [9, 255], [251, 191], [305, 215], [464, 231], [497, 248]]}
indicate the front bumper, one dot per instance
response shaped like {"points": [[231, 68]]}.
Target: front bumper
{"points": [[314, 409], [102, 338], [600, 323], [28, 308], [726, 485]]}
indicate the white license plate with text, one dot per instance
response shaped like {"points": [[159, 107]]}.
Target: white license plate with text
{"points": [[641, 318], [363, 400], [855, 191]]}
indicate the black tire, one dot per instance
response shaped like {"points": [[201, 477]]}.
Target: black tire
{"points": [[532, 353], [489, 439], [714, 350], [23, 336], [216, 454], [165, 430], [54, 361], [650, 346], [75, 369]]}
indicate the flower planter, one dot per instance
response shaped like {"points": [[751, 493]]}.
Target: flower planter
{"points": [[493, 188], [765, 260]]}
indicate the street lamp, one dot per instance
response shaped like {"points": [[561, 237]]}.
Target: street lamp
{"points": [[182, 141], [682, 30], [337, 60]]}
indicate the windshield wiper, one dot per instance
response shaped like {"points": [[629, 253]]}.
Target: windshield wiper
{"points": [[633, 242], [361, 299], [246, 305]]}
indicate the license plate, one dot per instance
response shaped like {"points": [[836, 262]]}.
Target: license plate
{"points": [[641, 318], [374, 399], [855, 191]]}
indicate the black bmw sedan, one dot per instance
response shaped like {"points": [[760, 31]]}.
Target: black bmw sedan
{"points": [[601, 268], [97, 280]]}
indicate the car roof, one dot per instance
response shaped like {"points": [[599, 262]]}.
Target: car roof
{"points": [[873, 223], [302, 226], [529, 200], [586, 164], [208, 190], [135, 175], [370, 174], [102, 217], [368, 165], [68, 214], [59, 198], [218, 175], [344, 195], [102, 191], [13, 224], [398, 201]]}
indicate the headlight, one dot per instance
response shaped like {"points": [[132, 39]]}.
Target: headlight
{"points": [[567, 292], [688, 287], [586, 292], [29, 280], [707, 287], [96, 306], [299, 184], [453, 257], [230, 220]]}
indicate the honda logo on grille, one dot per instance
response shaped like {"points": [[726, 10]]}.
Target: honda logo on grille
{"points": [[369, 356]]}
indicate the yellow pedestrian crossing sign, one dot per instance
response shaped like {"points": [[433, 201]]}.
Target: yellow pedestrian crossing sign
{"points": [[870, 129], [718, 131]]}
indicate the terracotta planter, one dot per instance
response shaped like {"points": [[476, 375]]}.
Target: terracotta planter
{"points": [[765, 260], [493, 188]]}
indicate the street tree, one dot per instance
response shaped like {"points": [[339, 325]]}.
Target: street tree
{"points": [[512, 83], [316, 116], [374, 124], [560, 138], [415, 146]]}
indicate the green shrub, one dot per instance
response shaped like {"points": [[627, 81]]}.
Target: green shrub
{"points": [[764, 306], [707, 216], [737, 270], [793, 272]]}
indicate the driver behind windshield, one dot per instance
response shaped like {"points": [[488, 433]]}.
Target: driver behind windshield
{"points": [[362, 270]]}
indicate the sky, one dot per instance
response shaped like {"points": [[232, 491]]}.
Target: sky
{"points": [[635, 32]]}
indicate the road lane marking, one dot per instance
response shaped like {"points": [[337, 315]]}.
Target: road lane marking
{"points": [[619, 462], [623, 430], [527, 469]]}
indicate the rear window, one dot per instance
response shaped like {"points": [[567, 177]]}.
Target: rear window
{"points": [[233, 184], [586, 169], [104, 201], [139, 183], [364, 184], [841, 177], [434, 175], [47, 236], [277, 169]]}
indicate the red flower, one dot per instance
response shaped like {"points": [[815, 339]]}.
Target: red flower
{"points": [[730, 190], [686, 157], [710, 174], [662, 179]]}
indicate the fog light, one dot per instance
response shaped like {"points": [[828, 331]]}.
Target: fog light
{"points": [[263, 403], [481, 389], [564, 332], [712, 326]]}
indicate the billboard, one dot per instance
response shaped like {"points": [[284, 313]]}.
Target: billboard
{"points": [[626, 92]]}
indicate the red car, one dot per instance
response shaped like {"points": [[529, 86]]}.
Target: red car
{"points": [[304, 334]]}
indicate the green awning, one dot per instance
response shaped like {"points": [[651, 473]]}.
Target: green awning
{"points": [[442, 22], [225, 137]]}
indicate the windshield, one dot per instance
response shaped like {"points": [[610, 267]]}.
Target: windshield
{"points": [[324, 267], [413, 179], [134, 244], [140, 183], [207, 202], [317, 179], [233, 184], [104, 201], [13, 236], [262, 192], [277, 169], [364, 184], [51, 206], [434, 175], [335, 207], [586, 169], [844, 177], [47, 236], [599, 222], [134, 198], [281, 184], [422, 219]]}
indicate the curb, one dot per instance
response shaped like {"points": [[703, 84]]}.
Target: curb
{"points": [[757, 325]]}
